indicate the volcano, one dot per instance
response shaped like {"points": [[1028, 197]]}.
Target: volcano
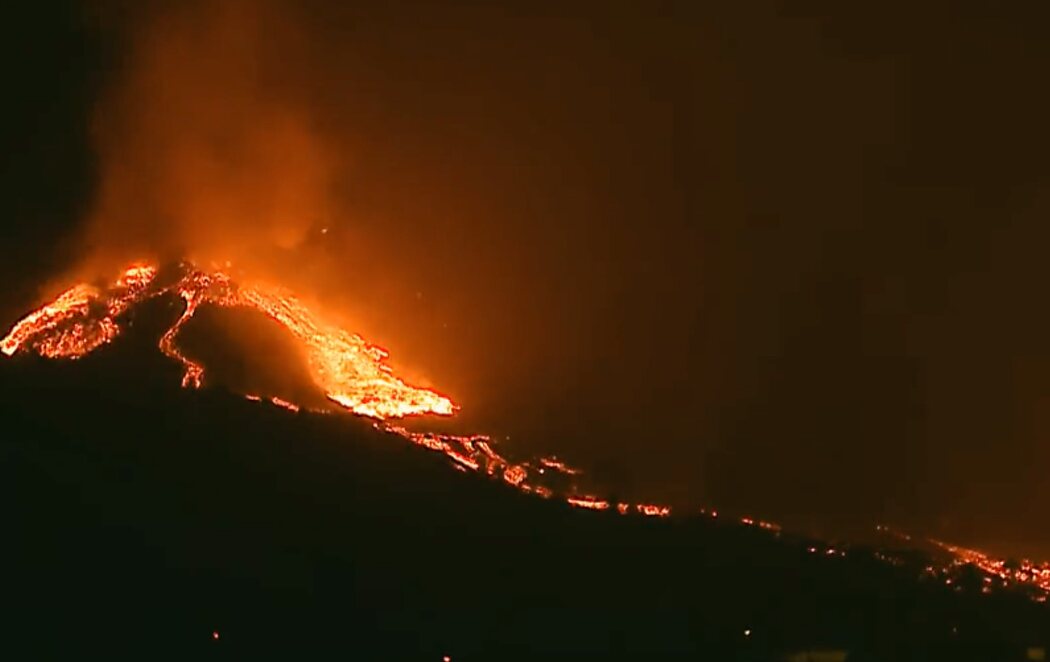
{"points": [[148, 519], [351, 372], [313, 364]]}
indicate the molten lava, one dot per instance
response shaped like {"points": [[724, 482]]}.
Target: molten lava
{"points": [[352, 373], [80, 319], [1023, 572], [1028, 576]]}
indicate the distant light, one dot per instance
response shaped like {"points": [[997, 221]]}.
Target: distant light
{"points": [[447, 658], [747, 633], [215, 635], [324, 230]]}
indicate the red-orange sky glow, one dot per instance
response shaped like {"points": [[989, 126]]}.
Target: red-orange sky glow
{"points": [[786, 263]]}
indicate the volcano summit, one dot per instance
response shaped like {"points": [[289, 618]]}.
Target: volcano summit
{"points": [[351, 374], [350, 371]]}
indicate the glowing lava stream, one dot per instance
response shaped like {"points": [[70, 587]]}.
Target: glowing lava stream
{"points": [[351, 372], [354, 375]]}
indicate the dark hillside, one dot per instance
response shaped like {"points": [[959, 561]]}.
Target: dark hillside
{"points": [[141, 517]]}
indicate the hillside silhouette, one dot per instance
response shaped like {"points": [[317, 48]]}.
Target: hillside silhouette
{"points": [[141, 518]]}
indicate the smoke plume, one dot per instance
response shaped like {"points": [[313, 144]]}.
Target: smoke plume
{"points": [[206, 144]]}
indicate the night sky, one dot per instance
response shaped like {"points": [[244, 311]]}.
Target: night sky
{"points": [[785, 259]]}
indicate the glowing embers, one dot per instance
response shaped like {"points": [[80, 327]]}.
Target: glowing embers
{"points": [[652, 509], [1023, 572], [557, 465], [475, 453], [956, 573], [594, 503], [748, 521], [589, 502], [472, 452]]}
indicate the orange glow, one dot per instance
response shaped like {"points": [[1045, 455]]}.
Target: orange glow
{"points": [[463, 460], [593, 503], [1024, 572], [284, 404], [350, 371], [998, 573], [558, 465], [653, 510], [514, 475], [748, 521], [69, 326]]}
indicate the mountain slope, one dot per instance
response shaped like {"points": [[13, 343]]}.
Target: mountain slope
{"points": [[141, 517]]}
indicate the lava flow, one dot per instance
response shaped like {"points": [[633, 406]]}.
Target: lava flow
{"points": [[995, 573], [1023, 572], [352, 373], [71, 325]]}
